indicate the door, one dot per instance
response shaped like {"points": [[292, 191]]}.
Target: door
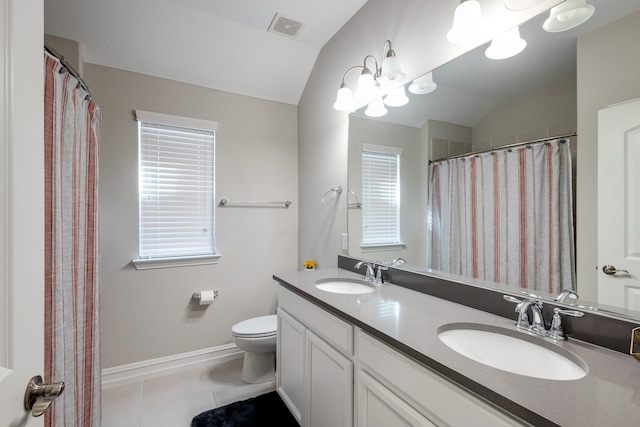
{"points": [[290, 362], [619, 205], [380, 407], [329, 385], [21, 206]]}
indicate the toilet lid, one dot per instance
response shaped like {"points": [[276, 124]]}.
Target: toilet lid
{"points": [[258, 326]]}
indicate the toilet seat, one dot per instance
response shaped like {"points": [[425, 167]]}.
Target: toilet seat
{"points": [[258, 327]]}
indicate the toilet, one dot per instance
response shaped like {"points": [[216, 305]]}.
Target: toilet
{"points": [[257, 337]]}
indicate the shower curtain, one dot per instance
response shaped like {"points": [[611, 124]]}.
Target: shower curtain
{"points": [[505, 217], [72, 297]]}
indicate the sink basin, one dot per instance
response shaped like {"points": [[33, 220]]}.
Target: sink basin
{"points": [[513, 351], [345, 286]]}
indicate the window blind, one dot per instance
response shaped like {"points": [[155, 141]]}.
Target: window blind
{"points": [[381, 198], [176, 187]]}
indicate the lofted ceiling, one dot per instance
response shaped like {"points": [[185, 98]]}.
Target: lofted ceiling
{"points": [[220, 44]]}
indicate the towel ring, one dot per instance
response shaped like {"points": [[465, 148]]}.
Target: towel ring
{"points": [[334, 191]]}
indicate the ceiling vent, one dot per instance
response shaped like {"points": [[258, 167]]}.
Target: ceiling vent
{"points": [[285, 26]]}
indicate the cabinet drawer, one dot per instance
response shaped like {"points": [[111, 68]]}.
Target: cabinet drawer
{"points": [[335, 331], [437, 398]]}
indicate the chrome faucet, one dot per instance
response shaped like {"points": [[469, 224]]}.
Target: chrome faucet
{"points": [[398, 262], [370, 275], [562, 296]]}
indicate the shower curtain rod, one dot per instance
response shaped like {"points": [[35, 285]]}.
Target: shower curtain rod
{"points": [[517, 144], [70, 69]]}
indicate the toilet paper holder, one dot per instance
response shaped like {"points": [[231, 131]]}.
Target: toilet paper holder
{"points": [[197, 296]]}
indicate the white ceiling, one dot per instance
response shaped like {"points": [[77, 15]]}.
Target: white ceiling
{"points": [[220, 44]]}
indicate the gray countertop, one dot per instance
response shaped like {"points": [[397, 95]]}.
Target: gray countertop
{"points": [[609, 395]]}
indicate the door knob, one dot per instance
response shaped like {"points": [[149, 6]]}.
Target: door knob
{"points": [[38, 396], [610, 269]]}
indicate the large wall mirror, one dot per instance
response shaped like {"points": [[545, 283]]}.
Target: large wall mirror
{"points": [[478, 104]]}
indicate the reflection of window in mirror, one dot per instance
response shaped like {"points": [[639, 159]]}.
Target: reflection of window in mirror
{"points": [[380, 195]]}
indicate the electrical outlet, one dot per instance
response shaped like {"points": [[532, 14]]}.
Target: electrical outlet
{"points": [[345, 242]]}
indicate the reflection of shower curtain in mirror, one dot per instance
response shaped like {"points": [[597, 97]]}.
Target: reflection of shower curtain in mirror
{"points": [[72, 297], [505, 217]]}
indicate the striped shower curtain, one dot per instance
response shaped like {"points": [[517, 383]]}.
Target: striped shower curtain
{"points": [[505, 217], [72, 297]]}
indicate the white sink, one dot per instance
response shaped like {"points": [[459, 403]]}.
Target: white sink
{"points": [[345, 286], [513, 351]]}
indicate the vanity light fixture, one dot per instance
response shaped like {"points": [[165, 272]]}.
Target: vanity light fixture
{"points": [[423, 84], [568, 15], [506, 45], [521, 4], [468, 24], [370, 82]]}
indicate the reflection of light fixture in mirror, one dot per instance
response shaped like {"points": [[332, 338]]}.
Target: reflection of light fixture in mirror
{"points": [[568, 15], [423, 84], [376, 108], [396, 98], [370, 80], [506, 45], [521, 4], [467, 23]]}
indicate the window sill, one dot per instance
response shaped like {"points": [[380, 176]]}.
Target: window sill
{"points": [[151, 263], [382, 247]]}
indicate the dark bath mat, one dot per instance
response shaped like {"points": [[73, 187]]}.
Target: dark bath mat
{"points": [[266, 410]]}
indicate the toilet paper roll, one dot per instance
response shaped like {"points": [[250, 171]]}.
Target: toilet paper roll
{"points": [[207, 297]]}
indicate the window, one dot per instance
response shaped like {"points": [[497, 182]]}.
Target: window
{"points": [[176, 191], [380, 195]]}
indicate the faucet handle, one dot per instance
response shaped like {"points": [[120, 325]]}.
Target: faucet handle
{"points": [[556, 331], [521, 309], [379, 278]]}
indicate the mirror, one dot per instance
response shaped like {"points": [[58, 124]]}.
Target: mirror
{"points": [[472, 110]]}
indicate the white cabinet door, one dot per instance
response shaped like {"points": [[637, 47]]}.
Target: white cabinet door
{"points": [[379, 407], [619, 205], [290, 362], [329, 385]]}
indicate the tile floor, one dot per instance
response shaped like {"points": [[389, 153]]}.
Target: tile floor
{"points": [[174, 399]]}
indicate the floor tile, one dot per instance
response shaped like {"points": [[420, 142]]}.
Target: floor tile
{"points": [[122, 402], [238, 392], [165, 389], [179, 412]]}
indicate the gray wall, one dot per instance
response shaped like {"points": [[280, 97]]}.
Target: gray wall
{"points": [[418, 31], [149, 314], [608, 71]]}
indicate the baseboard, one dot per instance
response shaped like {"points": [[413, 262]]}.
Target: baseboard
{"points": [[125, 374]]}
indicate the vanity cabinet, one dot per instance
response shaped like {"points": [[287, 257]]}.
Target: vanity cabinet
{"points": [[331, 374], [395, 390], [314, 373]]}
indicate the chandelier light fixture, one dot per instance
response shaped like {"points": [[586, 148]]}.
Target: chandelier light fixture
{"points": [[568, 15], [371, 83], [468, 24]]}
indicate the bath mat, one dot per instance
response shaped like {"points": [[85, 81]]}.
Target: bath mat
{"points": [[266, 410]]}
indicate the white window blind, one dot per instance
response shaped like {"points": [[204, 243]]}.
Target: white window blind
{"points": [[380, 195], [176, 186]]}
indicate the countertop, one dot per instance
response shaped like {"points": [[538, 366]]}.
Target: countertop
{"points": [[609, 395]]}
